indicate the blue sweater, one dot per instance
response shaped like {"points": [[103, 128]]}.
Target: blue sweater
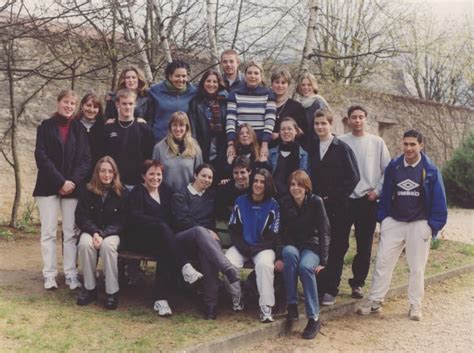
{"points": [[166, 103], [255, 107], [434, 194]]}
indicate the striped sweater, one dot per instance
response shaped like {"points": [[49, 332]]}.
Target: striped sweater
{"points": [[255, 107]]}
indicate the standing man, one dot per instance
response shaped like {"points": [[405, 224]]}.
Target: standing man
{"points": [[128, 142], [230, 65], [372, 157], [334, 174], [412, 210]]}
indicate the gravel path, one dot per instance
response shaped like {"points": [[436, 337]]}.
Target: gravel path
{"points": [[447, 326]]}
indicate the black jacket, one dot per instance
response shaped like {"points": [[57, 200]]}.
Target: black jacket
{"points": [[336, 175], [306, 227], [95, 215], [193, 210], [199, 115], [58, 162], [95, 135]]}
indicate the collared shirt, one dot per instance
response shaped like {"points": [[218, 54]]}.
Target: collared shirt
{"points": [[193, 191], [406, 164]]}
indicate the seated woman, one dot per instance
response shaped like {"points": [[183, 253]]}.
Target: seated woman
{"points": [[179, 153], [100, 217], [303, 249], [194, 216], [149, 232], [253, 228], [287, 156]]}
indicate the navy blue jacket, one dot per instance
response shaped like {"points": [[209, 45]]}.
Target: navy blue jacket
{"points": [[58, 162], [434, 194]]}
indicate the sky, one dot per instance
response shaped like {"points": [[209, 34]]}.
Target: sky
{"points": [[453, 9]]}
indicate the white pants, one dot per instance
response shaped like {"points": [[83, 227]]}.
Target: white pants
{"points": [[49, 207], [264, 263], [415, 237], [109, 256]]}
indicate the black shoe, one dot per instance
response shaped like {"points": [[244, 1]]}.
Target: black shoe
{"points": [[232, 275], [86, 296], [357, 293], [292, 314], [311, 330], [111, 301], [210, 312]]}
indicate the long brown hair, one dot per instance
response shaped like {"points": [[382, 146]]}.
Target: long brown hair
{"points": [[96, 186], [254, 146], [97, 103], [142, 84]]}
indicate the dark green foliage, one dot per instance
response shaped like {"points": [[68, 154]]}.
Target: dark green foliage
{"points": [[458, 175]]}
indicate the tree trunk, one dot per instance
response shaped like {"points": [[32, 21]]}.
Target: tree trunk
{"points": [[14, 138], [211, 30], [310, 42]]}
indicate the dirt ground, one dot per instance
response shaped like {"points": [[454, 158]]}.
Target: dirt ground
{"points": [[447, 325]]}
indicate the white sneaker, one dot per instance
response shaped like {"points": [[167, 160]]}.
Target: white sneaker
{"points": [[415, 313], [266, 313], [163, 308], [190, 274], [50, 283], [73, 283]]}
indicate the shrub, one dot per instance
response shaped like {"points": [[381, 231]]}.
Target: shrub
{"points": [[458, 175]]}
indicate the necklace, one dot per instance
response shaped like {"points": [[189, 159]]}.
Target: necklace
{"points": [[280, 109], [125, 126]]}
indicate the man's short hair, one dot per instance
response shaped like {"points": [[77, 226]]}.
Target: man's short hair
{"points": [[230, 52], [415, 134], [241, 162], [324, 112], [124, 93], [352, 108]]}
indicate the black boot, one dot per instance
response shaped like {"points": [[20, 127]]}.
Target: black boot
{"points": [[86, 296], [111, 301], [292, 314], [312, 328]]}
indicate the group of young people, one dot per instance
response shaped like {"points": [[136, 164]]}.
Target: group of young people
{"points": [[155, 170]]}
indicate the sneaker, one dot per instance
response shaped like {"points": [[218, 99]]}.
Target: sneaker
{"points": [[237, 303], [111, 301], [328, 299], [357, 293], [370, 307], [415, 313], [266, 313], [190, 274], [163, 308], [50, 283], [73, 283], [292, 312], [311, 330]]}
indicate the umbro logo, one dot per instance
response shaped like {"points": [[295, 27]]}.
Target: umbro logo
{"points": [[408, 185]]}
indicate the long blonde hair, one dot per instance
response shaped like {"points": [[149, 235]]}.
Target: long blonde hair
{"points": [[96, 186], [190, 148]]}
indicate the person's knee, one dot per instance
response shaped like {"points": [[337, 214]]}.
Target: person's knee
{"points": [[264, 266], [305, 269], [290, 253], [108, 246]]}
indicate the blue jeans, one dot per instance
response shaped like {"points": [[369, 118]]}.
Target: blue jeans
{"points": [[302, 263]]}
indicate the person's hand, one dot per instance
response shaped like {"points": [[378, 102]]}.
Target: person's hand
{"points": [[214, 235], [109, 121], [224, 181], [141, 121], [372, 195], [279, 265], [67, 188], [275, 135], [318, 268], [264, 152], [97, 241]]}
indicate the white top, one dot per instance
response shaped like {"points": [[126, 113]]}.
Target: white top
{"points": [[372, 158], [324, 146]]}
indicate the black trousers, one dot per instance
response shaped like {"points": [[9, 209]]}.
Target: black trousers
{"points": [[362, 213]]}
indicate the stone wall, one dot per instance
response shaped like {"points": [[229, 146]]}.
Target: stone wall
{"points": [[389, 116]]}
